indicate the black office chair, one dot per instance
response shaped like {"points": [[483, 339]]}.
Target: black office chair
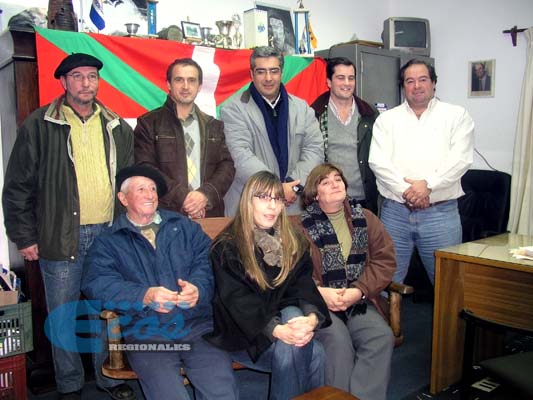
{"points": [[484, 209], [513, 369]]}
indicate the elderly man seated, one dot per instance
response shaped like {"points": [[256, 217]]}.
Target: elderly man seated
{"points": [[153, 266]]}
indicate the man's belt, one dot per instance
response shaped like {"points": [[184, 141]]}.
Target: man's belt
{"points": [[430, 205]]}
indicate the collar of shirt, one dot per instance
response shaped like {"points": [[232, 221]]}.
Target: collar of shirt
{"points": [[156, 220], [274, 103], [335, 111], [429, 108], [94, 107], [190, 118]]}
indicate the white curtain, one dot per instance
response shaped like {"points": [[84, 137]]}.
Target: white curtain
{"points": [[521, 212]]}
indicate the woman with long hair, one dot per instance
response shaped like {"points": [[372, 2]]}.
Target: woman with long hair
{"points": [[266, 305]]}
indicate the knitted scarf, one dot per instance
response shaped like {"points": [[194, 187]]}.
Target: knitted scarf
{"points": [[277, 134], [336, 271]]}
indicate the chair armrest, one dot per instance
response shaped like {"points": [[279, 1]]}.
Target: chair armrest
{"points": [[396, 290], [400, 288], [114, 335]]}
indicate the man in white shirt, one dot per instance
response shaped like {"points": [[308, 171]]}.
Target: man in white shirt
{"points": [[419, 152]]}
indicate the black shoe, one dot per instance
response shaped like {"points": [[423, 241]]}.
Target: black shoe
{"points": [[120, 392], [70, 395]]}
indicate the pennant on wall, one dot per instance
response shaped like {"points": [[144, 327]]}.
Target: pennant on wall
{"points": [[133, 79], [97, 14]]}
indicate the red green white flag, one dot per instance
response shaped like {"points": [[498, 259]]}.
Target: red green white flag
{"points": [[133, 80]]}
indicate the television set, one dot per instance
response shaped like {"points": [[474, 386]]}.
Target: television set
{"points": [[407, 34]]}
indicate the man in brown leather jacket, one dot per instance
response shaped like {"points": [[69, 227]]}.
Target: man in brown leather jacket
{"points": [[187, 146]]}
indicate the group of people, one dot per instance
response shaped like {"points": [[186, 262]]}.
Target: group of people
{"points": [[292, 284]]}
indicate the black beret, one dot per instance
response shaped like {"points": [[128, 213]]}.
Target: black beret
{"points": [[147, 172], [76, 60]]}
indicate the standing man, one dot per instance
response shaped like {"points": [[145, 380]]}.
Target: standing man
{"points": [[153, 264], [187, 146], [268, 129], [420, 150], [346, 123], [58, 196]]}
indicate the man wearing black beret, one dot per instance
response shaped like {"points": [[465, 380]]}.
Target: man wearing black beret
{"points": [[59, 194], [152, 266]]}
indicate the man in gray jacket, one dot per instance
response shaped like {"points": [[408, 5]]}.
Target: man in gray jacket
{"points": [[268, 129]]}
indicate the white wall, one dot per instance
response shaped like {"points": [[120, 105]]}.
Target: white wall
{"points": [[461, 31]]}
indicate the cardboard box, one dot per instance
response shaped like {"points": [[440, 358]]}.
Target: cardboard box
{"points": [[8, 297], [255, 28]]}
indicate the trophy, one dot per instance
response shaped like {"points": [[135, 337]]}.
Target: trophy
{"points": [[237, 36], [207, 37], [223, 40], [132, 28]]}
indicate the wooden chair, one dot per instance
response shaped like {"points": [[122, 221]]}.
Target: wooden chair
{"points": [[116, 366]]}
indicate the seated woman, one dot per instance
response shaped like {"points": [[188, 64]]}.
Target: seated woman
{"points": [[266, 306], [353, 260]]}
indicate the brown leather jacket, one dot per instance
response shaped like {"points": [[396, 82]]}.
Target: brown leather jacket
{"points": [[159, 143]]}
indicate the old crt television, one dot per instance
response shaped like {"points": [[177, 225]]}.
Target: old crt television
{"points": [[406, 34]]}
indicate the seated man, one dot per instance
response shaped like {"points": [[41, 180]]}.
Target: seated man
{"points": [[152, 265]]}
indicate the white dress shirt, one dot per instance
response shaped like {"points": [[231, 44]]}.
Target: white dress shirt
{"points": [[438, 148]]}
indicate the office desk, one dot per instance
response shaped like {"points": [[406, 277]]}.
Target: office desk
{"points": [[483, 277]]}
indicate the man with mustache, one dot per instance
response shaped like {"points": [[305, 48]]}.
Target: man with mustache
{"points": [[186, 146], [419, 151], [59, 195]]}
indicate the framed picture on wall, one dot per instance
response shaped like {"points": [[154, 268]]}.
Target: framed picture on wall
{"points": [[481, 78], [280, 28], [191, 31]]}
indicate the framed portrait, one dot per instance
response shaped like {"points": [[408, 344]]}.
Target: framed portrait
{"points": [[481, 78], [280, 28], [191, 31]]}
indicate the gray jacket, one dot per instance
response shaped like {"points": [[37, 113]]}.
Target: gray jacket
{"points": [[248, 143]]}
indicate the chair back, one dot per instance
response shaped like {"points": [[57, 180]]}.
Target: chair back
{"points": [[213, 226], [484, 209]]}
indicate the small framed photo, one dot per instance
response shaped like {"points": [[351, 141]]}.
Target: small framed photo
{"points": [[280, 28], [191, 31], [481, 78]]}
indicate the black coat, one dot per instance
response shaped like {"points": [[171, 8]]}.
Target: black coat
{"points": [[241, 310]]}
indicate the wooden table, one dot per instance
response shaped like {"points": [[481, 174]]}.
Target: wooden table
{"points": [[326, 393], [483, 277]]}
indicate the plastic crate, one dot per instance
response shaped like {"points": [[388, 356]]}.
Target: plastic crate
{"points": [[16, 333], [13, 378]]}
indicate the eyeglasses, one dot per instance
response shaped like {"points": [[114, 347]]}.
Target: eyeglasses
{"points": [[263, 71], [78, 77], [265, 198]]}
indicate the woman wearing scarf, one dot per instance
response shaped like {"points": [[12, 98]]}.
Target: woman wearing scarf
{"points": [[266, 305], [353, 261]]}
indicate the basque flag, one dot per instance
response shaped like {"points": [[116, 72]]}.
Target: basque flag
{"points": [[97, 15]]}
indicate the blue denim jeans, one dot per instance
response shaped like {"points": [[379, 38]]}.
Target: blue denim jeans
{"points": [[62, 283], [295, 370], [428, 229]]}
